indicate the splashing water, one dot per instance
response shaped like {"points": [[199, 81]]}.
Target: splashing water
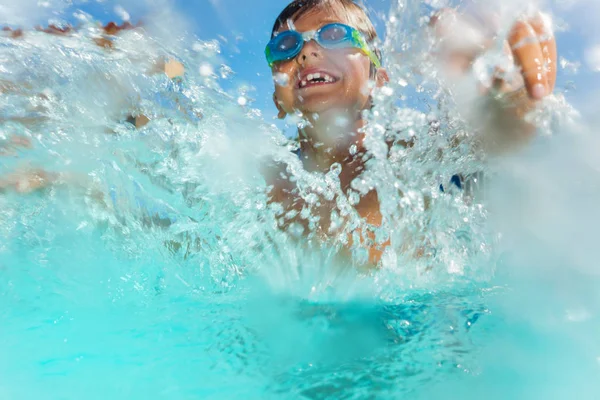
{"points": [[159, 268]]}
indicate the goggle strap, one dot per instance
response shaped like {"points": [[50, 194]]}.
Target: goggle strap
{"points": [[269, 56], [360, 40]]}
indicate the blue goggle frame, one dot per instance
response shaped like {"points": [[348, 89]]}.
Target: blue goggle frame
{"points": [[288, 44]]}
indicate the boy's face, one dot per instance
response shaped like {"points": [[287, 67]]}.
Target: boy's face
{"points": [[349, 68]]}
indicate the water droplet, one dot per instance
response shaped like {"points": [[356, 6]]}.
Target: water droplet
{"points": [[312, 198], [120, 11], [225, 71], [336, 168], [281, 79], [571, 67], [592, 56], [387, 91], [242, 101], [82, 16], [206, 69], [353, 198], [209, 48]]}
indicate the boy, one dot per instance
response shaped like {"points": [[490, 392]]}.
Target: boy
{"points": [[325, 66]]}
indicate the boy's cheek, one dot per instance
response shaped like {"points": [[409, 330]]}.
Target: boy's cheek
{"points": [[285, 98]]}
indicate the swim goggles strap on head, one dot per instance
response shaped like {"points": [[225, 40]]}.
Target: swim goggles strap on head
{"points": [[288, 44]]}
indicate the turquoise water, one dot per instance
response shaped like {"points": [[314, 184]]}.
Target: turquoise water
{"points": [[157, 270], [84, 321]]}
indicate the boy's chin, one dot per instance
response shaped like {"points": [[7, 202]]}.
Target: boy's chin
{"points": [[325, 109]]}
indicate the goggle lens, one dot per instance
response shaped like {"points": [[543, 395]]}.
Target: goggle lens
{"points": [[333, 34], [287, 42]]}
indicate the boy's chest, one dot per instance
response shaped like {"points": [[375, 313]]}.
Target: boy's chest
{"points": [[323, 217], [299, 211]]}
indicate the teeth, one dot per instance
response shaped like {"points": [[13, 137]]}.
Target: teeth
{"points": [[312, 77]]}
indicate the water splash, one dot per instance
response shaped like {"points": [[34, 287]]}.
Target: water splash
{"points": [[175, 217]]}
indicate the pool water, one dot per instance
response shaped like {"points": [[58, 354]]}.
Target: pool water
{"points": [[92, 323], [95, 324], [157, 269]]}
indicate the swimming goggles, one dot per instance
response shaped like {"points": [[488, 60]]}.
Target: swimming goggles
{"points": [[288, 44]]}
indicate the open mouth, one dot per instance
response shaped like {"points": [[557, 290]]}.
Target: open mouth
{"points": [[316, 79]]}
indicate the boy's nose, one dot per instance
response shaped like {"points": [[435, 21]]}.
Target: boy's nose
{"points": [[310, 51]]}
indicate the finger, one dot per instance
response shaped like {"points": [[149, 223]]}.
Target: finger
{"points": [[529, 56], [542, 25]]}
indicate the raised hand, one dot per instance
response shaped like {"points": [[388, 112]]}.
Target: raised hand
{"points": [[530, 46], [525, 76]]}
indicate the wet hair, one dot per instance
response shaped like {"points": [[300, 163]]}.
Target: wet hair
{"points": [[353, 14]]}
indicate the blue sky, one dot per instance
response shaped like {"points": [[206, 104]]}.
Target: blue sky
{"points": [[243, 28]]}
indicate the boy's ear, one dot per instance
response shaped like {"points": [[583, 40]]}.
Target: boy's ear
{"points": [[381, 77], [282, 114]]}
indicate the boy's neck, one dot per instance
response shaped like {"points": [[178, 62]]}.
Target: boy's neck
{"points": [[332, 138]]}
